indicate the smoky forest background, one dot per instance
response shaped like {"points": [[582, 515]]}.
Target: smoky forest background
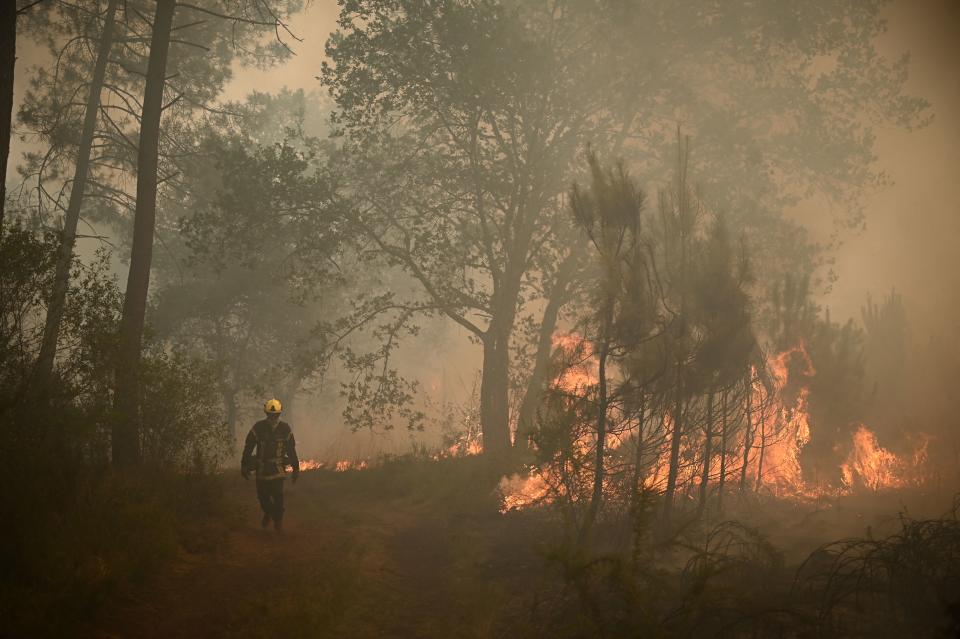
{"points": [[592, 318]]}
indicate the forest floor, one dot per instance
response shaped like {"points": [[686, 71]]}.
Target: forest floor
{"points": [[358, 557], [407, 550]]}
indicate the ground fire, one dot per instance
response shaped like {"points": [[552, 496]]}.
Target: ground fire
{"points": [[492, 319], [773, 463]]}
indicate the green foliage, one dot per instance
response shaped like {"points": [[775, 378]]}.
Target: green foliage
{"points": [[26, 273], [209, 38], [263, 249], [723, 308], [181, 420], [77, 532]]}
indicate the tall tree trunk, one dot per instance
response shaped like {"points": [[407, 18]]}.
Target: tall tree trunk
{"points": [[538, 377], [126, 431], [763, 446], [8, 59], [598, 472], [638, 456], [685, 220], [494, 392], [495, 377], [674, 468], [638, 529], [723, 450], [289, 397], [61, 280], [707, 454], [747, 435], [229, 395]]}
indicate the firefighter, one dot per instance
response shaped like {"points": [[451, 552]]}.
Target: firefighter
{"points": [[275, 450]]}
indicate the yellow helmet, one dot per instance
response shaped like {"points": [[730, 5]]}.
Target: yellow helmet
{"points": [[273, 407]]}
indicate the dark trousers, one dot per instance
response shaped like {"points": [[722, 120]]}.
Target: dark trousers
{"points": [[270, 494]]}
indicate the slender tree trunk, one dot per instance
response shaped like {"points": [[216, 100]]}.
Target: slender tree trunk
{"points": [[8, 59], [538, 377], [61, 280], [685, 215], [598, 473], [674, 468], [723, 450], [636, 495], [638, 456], [747, 435], [290, 397], [763, 446], [126, 427], [230, 406], [707, 454]]}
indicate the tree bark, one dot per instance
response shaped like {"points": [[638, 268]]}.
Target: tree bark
{"points": [[763, 446], [229, 396], [747, 435], [126, 427], [707, 453], [495, 377], [721, 484], [8, 59], [674, 469], [289, 397], [533, 395], [685, 215], [638, 456], [598, 472], [61, 281], [494, 392], [637, 527]]}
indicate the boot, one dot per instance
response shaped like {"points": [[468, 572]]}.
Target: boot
{"points": [[278, 523], [265, 521]]}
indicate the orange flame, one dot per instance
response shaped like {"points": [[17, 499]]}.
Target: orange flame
{"points": [[337, 466], [780, 431], [311, 464], [581, 370], [518, 492], [870, 465]]}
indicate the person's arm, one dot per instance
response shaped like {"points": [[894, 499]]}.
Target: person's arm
{"points": [[246, 461], [292, 458]]}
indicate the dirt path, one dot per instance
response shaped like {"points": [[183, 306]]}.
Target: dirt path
{"points": [[406, 551], [347, 565]]}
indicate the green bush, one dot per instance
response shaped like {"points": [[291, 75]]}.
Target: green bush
{"points": [[76, 531]]}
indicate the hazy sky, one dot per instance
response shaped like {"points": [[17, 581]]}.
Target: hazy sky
{"points": [[912, 236]]}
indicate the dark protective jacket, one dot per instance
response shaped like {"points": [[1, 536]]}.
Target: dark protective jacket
{"points": [[269, 449]]}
